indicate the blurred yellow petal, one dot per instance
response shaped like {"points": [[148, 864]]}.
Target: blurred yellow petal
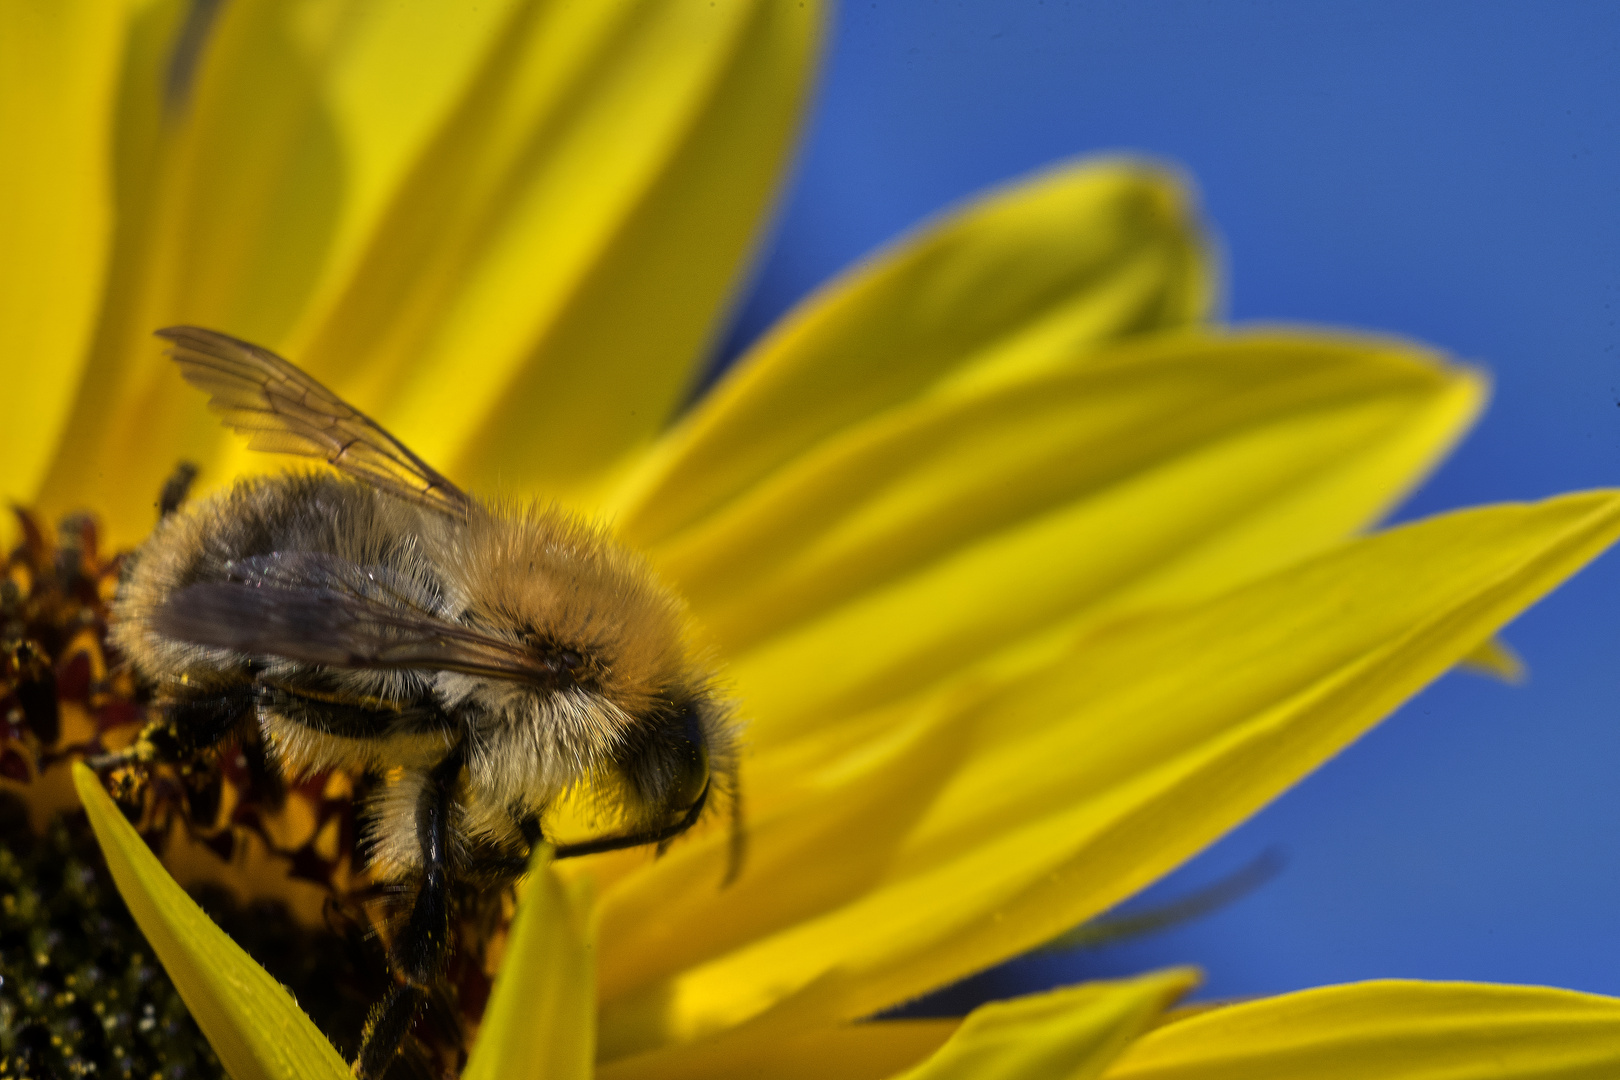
{"points": [[560, 254], [1022, 279], [541, 1018], [1071, 1033], [59, 65], [948, 531], [243, 179], [1392, 1031], [861, 1051], [548, 218], [1144, 742], [250, 1020]]}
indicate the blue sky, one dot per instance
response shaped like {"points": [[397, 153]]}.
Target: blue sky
{"points": [[1445, 171]]}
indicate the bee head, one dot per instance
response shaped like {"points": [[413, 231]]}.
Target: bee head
{"points": [[668, 773], [665, 766], [615, 699]]}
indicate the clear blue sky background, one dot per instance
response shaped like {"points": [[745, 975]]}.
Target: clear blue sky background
{"points": [[1448, 171]]}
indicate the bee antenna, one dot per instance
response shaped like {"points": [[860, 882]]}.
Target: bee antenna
{"points": [[1109, 929], [737, 849], [640, 839]]}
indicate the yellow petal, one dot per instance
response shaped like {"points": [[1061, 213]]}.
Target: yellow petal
{"points": [[1142, 743], [561, 252], [1071, 1033], [1024, 278], [250, 1020], [239, 190], [1153, 737], [1392, 1031], [541, 1019], [949, 531], [547, 219], [59, 64], [861, 1051]]}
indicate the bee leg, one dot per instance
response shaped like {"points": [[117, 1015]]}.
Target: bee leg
{"points": [[190, 726], [183, 729], [500, 866], [386, 1028], [419, 952], [176, 488], [422, 948]]}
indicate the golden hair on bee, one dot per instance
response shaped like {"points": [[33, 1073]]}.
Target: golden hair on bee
{"points": [[486, 658], [564, 588]]}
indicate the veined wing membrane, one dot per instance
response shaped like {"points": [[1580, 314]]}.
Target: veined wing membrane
{"points": [[282, 410]]}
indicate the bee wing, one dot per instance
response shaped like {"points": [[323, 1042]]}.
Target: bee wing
{"points": [[306, 607], [320, 570], [284, 411]]}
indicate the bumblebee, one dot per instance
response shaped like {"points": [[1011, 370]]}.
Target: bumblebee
{"points": [[485, 658]]}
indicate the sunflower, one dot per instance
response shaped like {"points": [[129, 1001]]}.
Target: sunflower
{"points": [[1030, 579]]}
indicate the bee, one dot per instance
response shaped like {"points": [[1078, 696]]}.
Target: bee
{"points": [[485, 658]]}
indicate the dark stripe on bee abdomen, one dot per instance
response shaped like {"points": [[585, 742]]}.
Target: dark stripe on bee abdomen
{"points": [[196, 722], [335, 716]]}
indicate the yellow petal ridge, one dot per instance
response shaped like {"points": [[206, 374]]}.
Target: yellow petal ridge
{"points": [[613, 370], [249, 1019], [858, 1051], [1394, 1030], [1073, 1032], [963, 529], [1020, 279], [541, 1017], [519, 223], [560, 252]]}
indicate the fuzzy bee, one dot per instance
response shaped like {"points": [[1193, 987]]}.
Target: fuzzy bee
{"points": [[486, 658]]}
